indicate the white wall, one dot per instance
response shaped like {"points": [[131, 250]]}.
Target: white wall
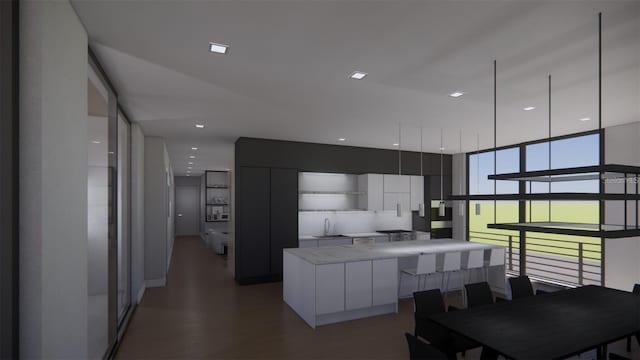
{"points": [[171, 206], [53, 181], [459, 187], [622, 264], [156, 210], [137, 213]]}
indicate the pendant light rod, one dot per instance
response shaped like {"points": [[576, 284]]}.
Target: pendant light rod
{"points": [[421, 162], [549, 143], [399, 149], [441, 166], [600, 72], [495, 142]]}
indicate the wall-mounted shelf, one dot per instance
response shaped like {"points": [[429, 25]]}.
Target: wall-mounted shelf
{"points": [[332, 192], [217, 196]]}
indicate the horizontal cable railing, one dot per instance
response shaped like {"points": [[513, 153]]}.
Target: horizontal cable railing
{"points": [[570, 262]]}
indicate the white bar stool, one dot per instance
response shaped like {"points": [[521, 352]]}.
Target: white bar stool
{"points": [[451, 262], [426, 266], [496, 258], [471, 260]]}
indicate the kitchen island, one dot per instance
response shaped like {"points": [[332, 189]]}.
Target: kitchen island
{"points": [[338, 283]]}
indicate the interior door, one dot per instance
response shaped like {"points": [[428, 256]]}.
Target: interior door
{"points": [[187, 210]]}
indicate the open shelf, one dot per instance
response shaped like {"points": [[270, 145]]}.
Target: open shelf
{"points": [[332, 192], [610, 171], [609, 231]]}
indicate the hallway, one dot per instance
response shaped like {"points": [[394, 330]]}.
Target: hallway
{"points": [[202, 313]]}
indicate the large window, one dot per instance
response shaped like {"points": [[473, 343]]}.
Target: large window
{"points": [[553, 257]]}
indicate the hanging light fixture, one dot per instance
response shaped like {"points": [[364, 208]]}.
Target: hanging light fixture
{"points": [[421, 211], [441, 207], [461, 204], [398, 204], [478, 171]]}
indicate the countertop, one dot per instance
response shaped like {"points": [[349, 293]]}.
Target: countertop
{"points": [[369, 234], [361, 252]]}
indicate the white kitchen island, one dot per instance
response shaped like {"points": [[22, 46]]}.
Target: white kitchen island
{"points": [[338, 283]]}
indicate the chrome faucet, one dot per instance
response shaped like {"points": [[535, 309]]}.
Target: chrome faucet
{"points": [[327, 226]]}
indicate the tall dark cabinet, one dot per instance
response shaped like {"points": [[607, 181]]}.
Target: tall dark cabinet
{"points": [[267, 221]]}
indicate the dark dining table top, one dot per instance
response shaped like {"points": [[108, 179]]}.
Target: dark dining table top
{"points": [[549, 326]]}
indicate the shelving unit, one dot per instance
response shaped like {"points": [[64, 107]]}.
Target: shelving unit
{"points": [[217, 196], [612, 172]]}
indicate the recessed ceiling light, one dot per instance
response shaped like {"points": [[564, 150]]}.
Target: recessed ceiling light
{"points": [[194, 148], [585, 119], [200, 126], [189, 167], [529, 108], [358, 75], [188, 175], [342, 139], [190, 163], [192, 157], [96, 142], [441, 148], [218, 48], [396, 144], [228, 169], [456, 94]]}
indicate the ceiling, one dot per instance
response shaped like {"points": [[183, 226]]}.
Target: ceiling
{"points": [[286, 75]]}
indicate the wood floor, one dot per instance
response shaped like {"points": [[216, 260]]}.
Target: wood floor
{"points": [[202, 313]]}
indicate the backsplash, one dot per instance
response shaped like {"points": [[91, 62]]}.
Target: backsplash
{"points": [[345, 222]]}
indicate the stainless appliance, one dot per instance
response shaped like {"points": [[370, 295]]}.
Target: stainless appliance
{"points": [[399, 235]]}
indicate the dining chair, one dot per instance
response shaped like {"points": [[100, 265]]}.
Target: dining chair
{"points": [[496, 258], [521, 287], [419, 350], [636, 291], [478, 294]]}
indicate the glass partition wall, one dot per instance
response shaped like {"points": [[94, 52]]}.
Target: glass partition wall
{"points": [[108, 214]]}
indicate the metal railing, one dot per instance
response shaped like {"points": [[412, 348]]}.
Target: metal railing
{"points": [[568, 262]]}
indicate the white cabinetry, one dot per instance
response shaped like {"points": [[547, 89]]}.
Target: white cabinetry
{"points": [[391, 199], [358, 285], [385, 281], [305, 243], [417, 191], [329, 278], [334, 241], [396, 184], [370, 186]]}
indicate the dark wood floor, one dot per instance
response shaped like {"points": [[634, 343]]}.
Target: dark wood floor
{"points": [[202, 313]]}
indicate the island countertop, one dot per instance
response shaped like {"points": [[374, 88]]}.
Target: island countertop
{"points": [[397, 249]]}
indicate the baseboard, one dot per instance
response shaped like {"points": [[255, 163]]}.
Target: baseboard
{"points": [[156, 282], [141, 293]]}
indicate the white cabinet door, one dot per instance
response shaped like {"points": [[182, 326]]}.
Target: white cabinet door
{"points": [[397, 183], [375, 191], [335, 241], [305, 243], [329, 288], [391, 199], [385, 281], [417, 191], [358, 285]]}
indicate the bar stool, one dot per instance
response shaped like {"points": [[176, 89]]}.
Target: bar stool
{"points": [[426, 266], [496, 258], [451, 262], [471, 260]]}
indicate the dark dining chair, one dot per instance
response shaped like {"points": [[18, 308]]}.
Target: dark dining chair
{"points": [[521, 287], [636, 291], [430, 302], [478, 294], [419, 350]]}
